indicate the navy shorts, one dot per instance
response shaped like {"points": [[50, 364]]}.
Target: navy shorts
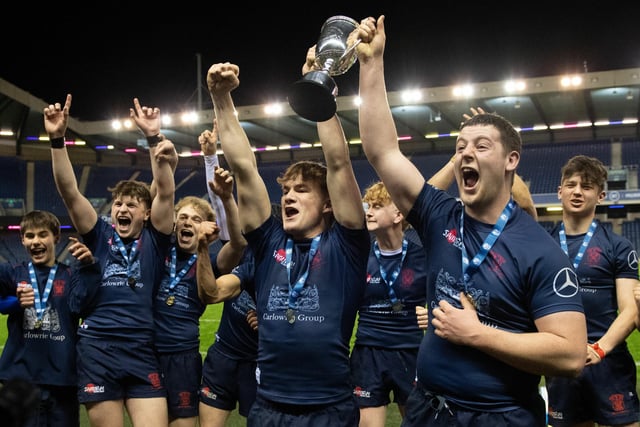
{"points": [[113, 370], [425, 409], [376, 372], [604, 393], [271, 414], [58, 407], [181, 374], [226, 381]]}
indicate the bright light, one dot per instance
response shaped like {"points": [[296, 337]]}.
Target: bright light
{"points": [[412, 96], [463, 91], [515, 86], [571, 81], [274, 109], [189, 117]]}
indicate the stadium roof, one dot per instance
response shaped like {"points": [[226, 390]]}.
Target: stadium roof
{"points": [[593, 106]]}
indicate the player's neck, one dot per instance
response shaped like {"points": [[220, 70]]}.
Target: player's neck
{"points": [[574, 225], [390, 239]]}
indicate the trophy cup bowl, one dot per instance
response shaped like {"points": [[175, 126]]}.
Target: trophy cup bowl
{"points": [[314, 95]]}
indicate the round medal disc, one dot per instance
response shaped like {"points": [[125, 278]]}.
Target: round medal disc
{"points": [[291, 316]]}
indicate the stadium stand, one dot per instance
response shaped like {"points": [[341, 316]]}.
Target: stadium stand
{"points": [[31, 184]]}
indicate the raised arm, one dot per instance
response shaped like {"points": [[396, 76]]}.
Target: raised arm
{"points": [[82, 214], [377, 128], [253, 197], [208, 141], [212, 290], [164, 158], [344, 191], [231, 252]]}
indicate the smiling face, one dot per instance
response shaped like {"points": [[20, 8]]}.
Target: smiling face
{"points": [[487, 155], [480, 165], [40, 244], [190, 213], [188, 222], [128, 215]]}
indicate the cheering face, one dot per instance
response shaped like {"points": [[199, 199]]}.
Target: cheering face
{"points": [[188, 222], [480, 165], [40, 244], [128, 215], [578, 196], [304, 207]]}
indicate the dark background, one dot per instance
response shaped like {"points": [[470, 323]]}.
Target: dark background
{"points": [[106, 55]]}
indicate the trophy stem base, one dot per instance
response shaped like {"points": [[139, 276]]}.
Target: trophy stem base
{"points": [[314, 96]]}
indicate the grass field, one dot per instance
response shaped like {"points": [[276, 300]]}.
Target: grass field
{"points": [[208, 326]]}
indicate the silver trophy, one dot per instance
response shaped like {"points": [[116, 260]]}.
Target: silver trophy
{"points": [[314, 96]]}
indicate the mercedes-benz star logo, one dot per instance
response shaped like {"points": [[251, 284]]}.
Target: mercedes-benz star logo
{"points": [[565, 284]]}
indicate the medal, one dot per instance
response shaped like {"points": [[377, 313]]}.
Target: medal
{"points": [[397, 306], [170, 300], [470, 297], [291, 316], [132, 282], [38, 324]]}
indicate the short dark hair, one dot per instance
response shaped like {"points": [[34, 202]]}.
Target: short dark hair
{"points": [[509, 135], [38, 219], [590, 169], [136, 189]]}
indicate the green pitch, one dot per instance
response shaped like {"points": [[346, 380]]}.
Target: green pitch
{"points": [[209, 325]]}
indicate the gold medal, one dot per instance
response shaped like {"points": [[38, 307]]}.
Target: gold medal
{"points": [[38, 324], [291, 316], [470, 297], [132, 282], [170, 300], [397, 306]]}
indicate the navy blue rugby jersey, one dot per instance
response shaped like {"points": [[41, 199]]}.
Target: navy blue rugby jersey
{"points": [[178, 309], [607, 257], [235, 338], [306, 362], [42, 349], [525, 275], [379, 325], [124, 302]]}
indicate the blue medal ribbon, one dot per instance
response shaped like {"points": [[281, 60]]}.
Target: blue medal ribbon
{"points": [[175, 278], [583, 246], [294, 291], [469, 268], [394, 275], [128, 258], [41, 302]]}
